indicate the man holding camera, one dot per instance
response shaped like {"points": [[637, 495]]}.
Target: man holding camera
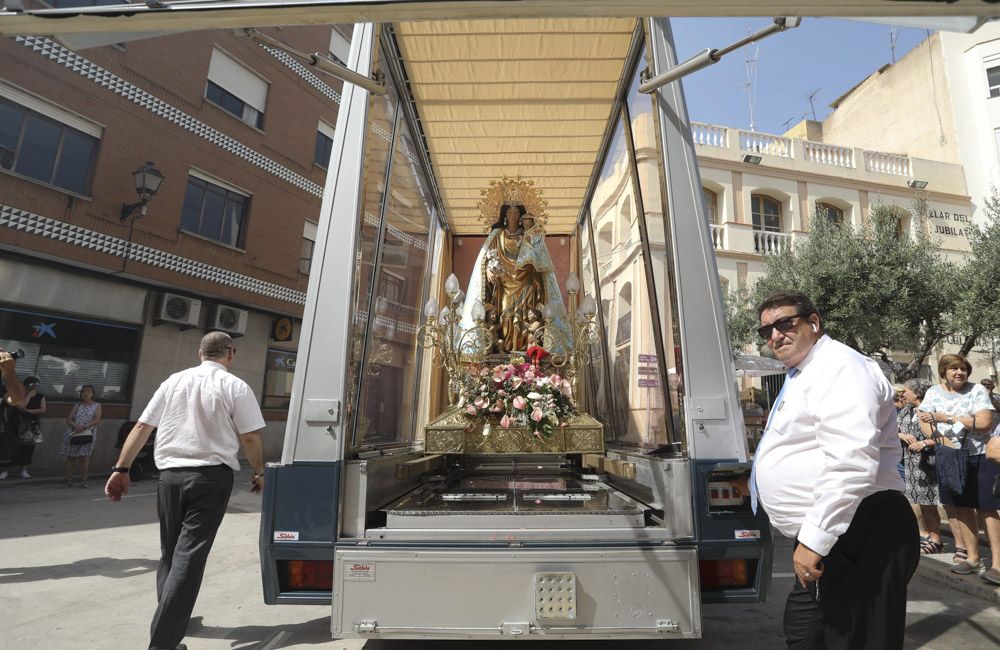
{"points": [[15, 393]]}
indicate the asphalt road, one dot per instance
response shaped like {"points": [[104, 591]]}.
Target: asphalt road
{"points": [[77, 571]]}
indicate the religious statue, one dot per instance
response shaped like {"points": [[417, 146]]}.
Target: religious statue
{"points": [[514, 277]]}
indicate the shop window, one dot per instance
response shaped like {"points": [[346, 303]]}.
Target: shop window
{"points": [[829, 212], [66, 353], [43, 148], [214, 211], [993, 80], [278, 379], [766, 213], [711, 200], [235, 89]]}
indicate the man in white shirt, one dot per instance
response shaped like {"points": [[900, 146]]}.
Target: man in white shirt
{"points": [[203, 415], [825, 473]]}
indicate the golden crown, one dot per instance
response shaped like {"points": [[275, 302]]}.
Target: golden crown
{"points": [[511, 191]]}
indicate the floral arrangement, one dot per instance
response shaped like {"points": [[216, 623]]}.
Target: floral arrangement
{"points": [[517, 394]]}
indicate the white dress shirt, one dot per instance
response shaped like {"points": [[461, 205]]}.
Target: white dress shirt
{"points": [[199, 413], [831, 443]]}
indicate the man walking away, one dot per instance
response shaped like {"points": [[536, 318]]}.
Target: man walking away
{"points": [[202, 416], [825, 472]]}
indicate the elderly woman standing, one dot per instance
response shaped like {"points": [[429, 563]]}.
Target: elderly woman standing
{"points": [[919, 476], [957, 412]]}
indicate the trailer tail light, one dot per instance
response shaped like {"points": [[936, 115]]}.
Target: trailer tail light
{"points": [[307, 575], [727, 574]]}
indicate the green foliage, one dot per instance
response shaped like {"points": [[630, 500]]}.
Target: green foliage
{"points": [[875, 290], [977, 312]]}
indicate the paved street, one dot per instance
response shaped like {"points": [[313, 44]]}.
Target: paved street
{"points": [[77, 571]]}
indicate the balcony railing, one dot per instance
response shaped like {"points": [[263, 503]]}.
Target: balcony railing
{"points": [[718, 233], [765, 143], [828, 154], [769, 243], [709, 134], [887, 163]]}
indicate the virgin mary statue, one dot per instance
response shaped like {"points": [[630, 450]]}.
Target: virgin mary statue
{"points": [[513, 275]]}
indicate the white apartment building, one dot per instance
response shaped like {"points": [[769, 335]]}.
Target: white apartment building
{"points": [[939, 102]]}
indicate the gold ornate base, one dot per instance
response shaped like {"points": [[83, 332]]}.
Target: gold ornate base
{"points": [[451, 434]]}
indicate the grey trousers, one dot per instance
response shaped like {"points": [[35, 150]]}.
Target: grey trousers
{"points": [[191, 503]]}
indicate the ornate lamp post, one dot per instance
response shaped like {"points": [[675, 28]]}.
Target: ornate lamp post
{"points": [[443, 332], [582, 329], [147, 181]]}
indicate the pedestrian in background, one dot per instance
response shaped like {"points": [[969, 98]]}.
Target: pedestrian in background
{"points": [[11, 389], [919, 477], [202, 416], [24, 420], [825, 472], [80, 436], [958, 413]]}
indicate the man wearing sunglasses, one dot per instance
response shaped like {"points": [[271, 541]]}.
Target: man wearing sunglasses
{"points": [[825, 473]]}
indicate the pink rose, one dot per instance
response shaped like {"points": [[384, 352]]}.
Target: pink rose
{"points": [[497, 407], [537, 415], [556, 379], [528, 374], [520, 402], [505, 422], [481, 402], [502, 393], [470, 409]]}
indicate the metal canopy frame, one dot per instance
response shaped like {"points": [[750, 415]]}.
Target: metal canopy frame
{"points": [[166, 15]]}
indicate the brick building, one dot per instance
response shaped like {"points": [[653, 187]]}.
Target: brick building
{"points": [[241, 134]]}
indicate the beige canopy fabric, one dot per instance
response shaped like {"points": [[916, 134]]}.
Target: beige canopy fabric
{"points": [[526, 98]]}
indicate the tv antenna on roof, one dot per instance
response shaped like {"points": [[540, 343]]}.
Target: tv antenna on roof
{"points": [[751, 83], [812, 108]]}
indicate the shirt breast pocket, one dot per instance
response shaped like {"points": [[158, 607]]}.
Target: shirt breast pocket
{"points": [[780, 421]]}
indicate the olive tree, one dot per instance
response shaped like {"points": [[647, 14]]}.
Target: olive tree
{"points": [[876, 288]]}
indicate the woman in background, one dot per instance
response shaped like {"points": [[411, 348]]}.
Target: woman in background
{"points": [[956, 413], [83, 421], [24, 420], [920, 480]]}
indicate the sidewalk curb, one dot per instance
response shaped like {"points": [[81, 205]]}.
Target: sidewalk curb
{"points": [[937, 569]]}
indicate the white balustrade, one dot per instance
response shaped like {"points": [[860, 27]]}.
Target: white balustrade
{"points": [[768, 243], [718, 233], [887, 163], [765, 143], [828, 154], [709, 134]]}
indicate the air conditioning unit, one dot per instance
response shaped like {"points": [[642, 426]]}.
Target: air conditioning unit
{"points": [[177, 310], [226, 319]]}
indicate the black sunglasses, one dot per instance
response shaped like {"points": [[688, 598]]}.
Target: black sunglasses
{"points": [[782, 325]]}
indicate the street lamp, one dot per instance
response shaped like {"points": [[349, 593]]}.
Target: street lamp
{"points": [[147, 180]]}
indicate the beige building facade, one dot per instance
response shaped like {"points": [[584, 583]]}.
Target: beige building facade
{"points": [[940, 102]]}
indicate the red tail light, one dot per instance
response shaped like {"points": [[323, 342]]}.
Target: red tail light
{"points": [[308, 575], [725, 574]]}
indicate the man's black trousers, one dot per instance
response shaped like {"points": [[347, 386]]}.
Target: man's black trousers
{"points": [[862, 594], [191, 502]]}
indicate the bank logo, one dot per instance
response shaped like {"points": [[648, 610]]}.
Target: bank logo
{"points": [[44, 328]]}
